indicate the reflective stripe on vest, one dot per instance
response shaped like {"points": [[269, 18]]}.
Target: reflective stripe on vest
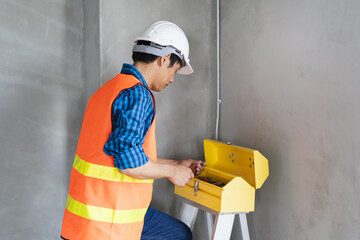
{"points": [[104, 214], [104, 172]]}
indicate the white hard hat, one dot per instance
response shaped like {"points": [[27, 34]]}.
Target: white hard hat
{"points": [[166, 38]]}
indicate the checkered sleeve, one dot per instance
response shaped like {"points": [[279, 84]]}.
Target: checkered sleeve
{"points": [[132, 113]]}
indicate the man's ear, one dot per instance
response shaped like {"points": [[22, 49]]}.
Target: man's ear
{"points": [[159, 61], [163, 60]]}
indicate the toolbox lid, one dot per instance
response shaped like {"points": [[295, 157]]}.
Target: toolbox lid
{"points": [[238, 161]]}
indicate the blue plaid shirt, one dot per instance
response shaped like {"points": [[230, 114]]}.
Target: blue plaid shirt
{"points": [[132, 113]]}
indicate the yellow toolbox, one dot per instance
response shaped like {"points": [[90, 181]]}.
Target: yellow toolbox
{"points": [[228, 182]]}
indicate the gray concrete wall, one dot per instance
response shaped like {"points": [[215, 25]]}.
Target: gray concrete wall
{"points": [[184, 107], [289, 88], [290, 83], [41, 108], [91, 47]]}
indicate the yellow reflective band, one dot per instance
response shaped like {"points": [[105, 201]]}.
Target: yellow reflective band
{"points": [[104, 172], [104, 214]]}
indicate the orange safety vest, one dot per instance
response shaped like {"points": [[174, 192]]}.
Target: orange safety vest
{"points": [[103, 203]]}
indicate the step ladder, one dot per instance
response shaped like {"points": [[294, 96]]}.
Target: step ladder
{"points": [[221, 229]]}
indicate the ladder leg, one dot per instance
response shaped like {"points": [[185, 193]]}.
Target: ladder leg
{"points": [[244, 226], [223, 226], [209, 223], [188, 215]]}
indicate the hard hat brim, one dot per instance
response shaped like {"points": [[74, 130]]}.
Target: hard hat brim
{"points": [[187, 69]]}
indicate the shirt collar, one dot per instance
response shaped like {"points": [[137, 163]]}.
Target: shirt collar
{"points": [[131, 70]]}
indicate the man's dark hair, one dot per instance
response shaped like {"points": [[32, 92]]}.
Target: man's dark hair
{"points": [[149, 58]]}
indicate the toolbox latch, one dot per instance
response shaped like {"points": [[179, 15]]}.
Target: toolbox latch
{"points": [[196, 187]]}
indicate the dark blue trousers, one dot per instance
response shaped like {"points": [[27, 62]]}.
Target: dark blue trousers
{"points": [[160, 226]]}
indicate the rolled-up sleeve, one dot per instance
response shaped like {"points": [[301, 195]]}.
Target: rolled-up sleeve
{"points": [[132, 113]]}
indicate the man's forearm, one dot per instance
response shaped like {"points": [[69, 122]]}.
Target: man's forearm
{"points": [[176, 173], [166, 161], [151, 170]]}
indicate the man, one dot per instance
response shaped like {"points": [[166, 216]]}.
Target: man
{"points": [[116, 161]]}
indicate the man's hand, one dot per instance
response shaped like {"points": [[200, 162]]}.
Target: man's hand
{"points": [[182, 171], [181, 176], [196, 166]]}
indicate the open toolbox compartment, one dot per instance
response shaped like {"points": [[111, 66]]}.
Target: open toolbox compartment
{"points": [[229, 180]]}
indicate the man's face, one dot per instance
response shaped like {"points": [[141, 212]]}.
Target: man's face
{"points": [[165, 75]]}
